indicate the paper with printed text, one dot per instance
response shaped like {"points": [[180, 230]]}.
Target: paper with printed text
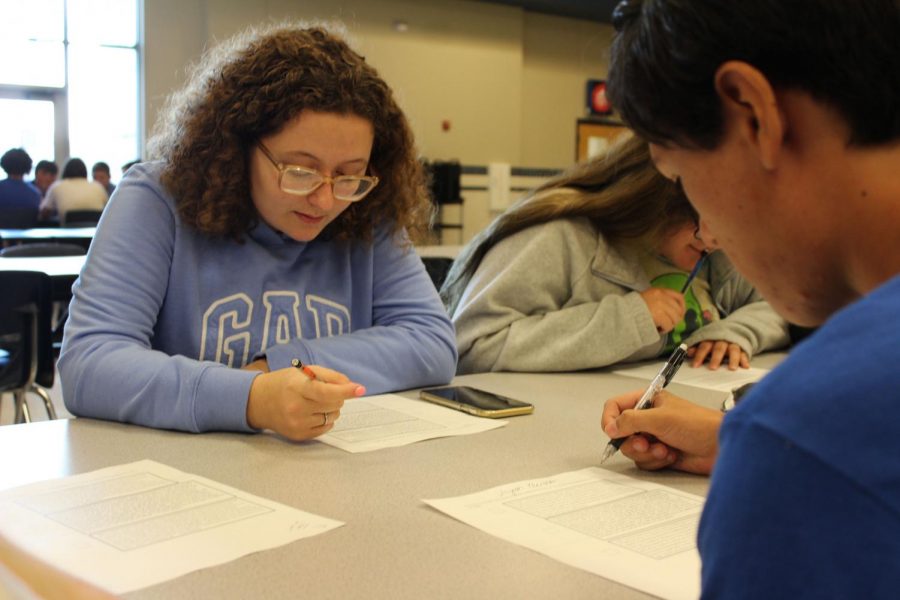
{"points": [[722, 379], [637, 533], [389, 420], [131, 526]]}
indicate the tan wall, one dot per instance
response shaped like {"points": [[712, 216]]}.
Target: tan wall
{"points": [[174, 35], [560, 55], [510, 82]]}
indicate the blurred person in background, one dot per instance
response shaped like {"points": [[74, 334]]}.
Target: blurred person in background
{"points": [[73, 192], [100, 173], [45, 174], [19, 200]]}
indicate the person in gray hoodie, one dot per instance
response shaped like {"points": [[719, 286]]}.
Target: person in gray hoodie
{"points": [[588, 271]]}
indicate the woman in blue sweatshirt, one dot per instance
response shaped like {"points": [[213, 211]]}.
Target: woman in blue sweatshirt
{"points": [[273, 227]]}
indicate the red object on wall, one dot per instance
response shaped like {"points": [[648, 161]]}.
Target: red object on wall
{"points": [[597, 104]]}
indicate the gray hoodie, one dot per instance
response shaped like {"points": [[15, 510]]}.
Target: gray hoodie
{"points": [[558, 297]]}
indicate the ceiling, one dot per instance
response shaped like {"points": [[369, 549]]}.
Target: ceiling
{"points": [[590, 10]]}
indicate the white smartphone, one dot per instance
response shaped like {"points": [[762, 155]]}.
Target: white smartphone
{"points": [[476, 402]]}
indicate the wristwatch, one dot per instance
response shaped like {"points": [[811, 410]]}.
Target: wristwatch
{"points": [[734, 397]]}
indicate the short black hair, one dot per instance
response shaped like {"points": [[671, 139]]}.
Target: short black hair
{"points": [[75, 167], [46, 165], [100, 166], [844, 53], [16, 162]]}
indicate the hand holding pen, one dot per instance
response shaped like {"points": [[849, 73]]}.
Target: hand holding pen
{"points": [[673, 432], [667, 306], [300, 402], [715, 351], [662, 379]]}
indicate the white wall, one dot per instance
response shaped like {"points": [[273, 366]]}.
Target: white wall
{"points": [[510, 82]]}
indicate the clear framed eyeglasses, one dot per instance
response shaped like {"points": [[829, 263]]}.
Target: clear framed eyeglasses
{"points": [[301, 181]]}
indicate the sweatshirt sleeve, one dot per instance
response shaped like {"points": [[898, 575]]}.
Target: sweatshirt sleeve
{"points": [[747, 319], [755, 327], [410, 343], [108, 367], [519, 311]]}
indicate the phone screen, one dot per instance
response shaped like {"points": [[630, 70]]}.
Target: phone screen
{"points": [[476, 401]]}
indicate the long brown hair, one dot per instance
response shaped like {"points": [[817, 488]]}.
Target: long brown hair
{"points": [[621, 192], [250, 87]]}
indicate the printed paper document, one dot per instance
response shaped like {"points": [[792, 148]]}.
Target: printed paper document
{"points": [[722, 379], [389, 420], [640, 534], [130, 526]]}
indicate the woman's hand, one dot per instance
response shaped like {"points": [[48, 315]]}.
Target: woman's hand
{"points": [[674, 433], [716, 352], [288, 402], [666, 307]]}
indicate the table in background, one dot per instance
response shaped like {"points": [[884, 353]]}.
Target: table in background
{"points": [[63, 270], [54, 266], [392, 546], [77, 235]]}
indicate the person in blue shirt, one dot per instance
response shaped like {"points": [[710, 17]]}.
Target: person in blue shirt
{"points": [[100, 173], [19, 200], [275, 225], [45, 174], [779, 119]]}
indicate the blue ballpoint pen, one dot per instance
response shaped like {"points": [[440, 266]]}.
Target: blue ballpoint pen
{"points": [[661, 380], [694, 271]]}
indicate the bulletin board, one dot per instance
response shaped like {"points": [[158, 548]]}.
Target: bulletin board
{"points": [[593, 136]]}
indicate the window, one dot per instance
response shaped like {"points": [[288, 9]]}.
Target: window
{"points": [[27, 124], [69, 80]]}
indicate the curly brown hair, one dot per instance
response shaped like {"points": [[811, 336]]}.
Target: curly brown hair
{"points": [[250, 87]]}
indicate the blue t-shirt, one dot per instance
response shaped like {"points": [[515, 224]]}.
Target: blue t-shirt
{"points": [[162, 317], [805, 497], [18, 198]]}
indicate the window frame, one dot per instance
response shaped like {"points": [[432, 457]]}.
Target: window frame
{"points": [[60, 95]]}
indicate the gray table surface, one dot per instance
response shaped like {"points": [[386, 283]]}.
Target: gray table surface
{"points": [[393, 545]]}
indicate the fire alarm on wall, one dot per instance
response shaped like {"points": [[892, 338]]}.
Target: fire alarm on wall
{"points": [[597, 104]]}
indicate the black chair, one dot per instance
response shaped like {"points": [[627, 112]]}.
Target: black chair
{"points": [[18, 218], [80, 218], [26, 349], [444, 179], [61, 286], [437, 267]]}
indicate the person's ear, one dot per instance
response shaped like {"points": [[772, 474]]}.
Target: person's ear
{"points": [[749, 104]]}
